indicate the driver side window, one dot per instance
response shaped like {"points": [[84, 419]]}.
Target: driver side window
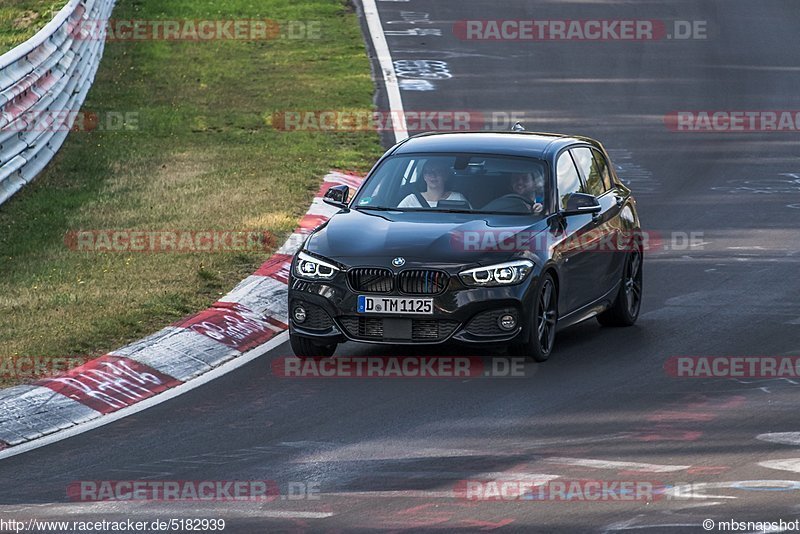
{"points": [[568, 179]]}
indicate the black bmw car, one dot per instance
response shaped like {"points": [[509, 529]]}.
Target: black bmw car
{"points": [[499, 238]]}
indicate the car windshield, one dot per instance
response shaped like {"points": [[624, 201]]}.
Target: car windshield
{"points": [[472, 183]]}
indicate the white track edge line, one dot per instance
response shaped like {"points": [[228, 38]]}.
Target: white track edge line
{"points": [[387, 67], [169, 394]]}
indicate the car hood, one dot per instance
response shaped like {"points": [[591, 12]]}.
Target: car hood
{"points": [[355, 236]]}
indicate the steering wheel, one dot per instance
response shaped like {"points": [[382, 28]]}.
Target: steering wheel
{"points": [[498, 203], [525, 199]]}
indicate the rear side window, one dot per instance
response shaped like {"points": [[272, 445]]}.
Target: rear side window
{"points": [[602, 166], [568, 179], [593, 167]]}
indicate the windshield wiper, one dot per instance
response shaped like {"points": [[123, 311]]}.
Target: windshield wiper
{"points": [[450, 210], [436, 210], [376, 208]]}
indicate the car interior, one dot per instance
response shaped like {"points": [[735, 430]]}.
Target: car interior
{"points": [[472, 181], [484, 181]]}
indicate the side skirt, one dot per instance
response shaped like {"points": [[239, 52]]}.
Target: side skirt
{"points": [[589, 310]]}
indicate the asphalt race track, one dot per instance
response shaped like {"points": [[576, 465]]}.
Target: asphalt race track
{"points": [[385, 454]]}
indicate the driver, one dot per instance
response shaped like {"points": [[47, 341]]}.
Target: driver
{"points": [[531, 186], [435, 175]]}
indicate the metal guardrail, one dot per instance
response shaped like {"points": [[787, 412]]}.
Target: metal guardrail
{"points": [[43, 83]]}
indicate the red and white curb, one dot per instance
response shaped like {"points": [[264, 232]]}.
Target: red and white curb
{"points": [[241, 322]]}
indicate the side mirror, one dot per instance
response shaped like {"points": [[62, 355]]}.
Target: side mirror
{"points": [[581, 204], [337, 196]]}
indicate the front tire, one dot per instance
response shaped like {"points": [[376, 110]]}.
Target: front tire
{"points": [[541, 338], [304, 348], [625, 310]]}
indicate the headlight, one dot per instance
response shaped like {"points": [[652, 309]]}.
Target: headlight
{"points": [[502, 274], [312, 268]]}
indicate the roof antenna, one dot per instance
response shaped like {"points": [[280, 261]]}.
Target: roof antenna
{"points": [[518, 127]]}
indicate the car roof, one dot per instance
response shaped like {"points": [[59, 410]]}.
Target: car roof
{"points": [[528, 144]]}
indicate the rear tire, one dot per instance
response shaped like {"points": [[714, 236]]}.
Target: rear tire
{"points": [[541, 338], [304, 347], [625, 310]]}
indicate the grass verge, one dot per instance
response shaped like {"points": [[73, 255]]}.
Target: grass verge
{"points": [[20, 19], [197, 152]]}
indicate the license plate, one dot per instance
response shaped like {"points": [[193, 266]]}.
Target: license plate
{"points": [[412, 306]]}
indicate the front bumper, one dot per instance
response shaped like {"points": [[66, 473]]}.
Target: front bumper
{"points": [[461, 313]]}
